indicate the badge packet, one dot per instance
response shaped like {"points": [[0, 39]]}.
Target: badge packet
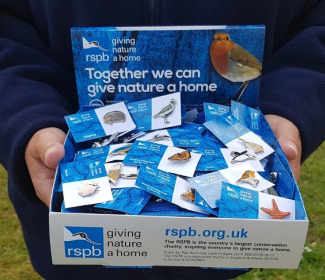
{"points": [[187, 135], [127, 200], [166, 186], [84, 182], [211, 156], [100, 122], [236, 136], [156, 113], [237, 202]]}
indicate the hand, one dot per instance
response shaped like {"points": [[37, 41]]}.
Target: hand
{"points": [[43, 153], [288, 136]]}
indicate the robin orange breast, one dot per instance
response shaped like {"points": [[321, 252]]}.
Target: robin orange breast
{"points": [[233, 62]]}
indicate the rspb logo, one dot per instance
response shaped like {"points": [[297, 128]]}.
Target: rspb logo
{"points": [[93, 50], [83, 242]]}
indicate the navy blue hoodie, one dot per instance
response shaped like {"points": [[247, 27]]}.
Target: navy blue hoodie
{"points": [[37, 87]]}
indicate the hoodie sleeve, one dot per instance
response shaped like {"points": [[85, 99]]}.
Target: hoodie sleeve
{"points": [[293, 79], [36, 92]]}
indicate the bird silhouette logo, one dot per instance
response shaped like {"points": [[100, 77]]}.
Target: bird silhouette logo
{"points": [[93, 44], [84, 236], [79, 235], [233, 62]]}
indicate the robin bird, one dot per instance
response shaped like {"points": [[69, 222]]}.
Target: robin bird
{"points": [[249, 177], [233, 62]]}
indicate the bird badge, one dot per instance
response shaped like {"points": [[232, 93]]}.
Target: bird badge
{"points": [[233, 62], [114, 172], [166, 111], [249, 177]]}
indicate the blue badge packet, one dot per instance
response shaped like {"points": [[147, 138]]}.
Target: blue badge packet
{"points": [[84, 182], [100, 122], [188, 135], [145, 153], [209, 187], [156, 113], [212, 158], [237, 202], [168, 187], [126, 200]]}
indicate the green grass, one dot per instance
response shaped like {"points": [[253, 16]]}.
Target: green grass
{"points": [[14, 259], [312, 188], [15, 264]]}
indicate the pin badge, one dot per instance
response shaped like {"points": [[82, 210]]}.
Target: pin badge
{"points": [[121, 150], [249, 177], [158, 137], [105, 142], [113, 138], [242, 156], [273, 179], [129, 176], [133, 136], [182, 156], [166, 111], [88, 189], [114, 172], [275, 213], [189, 195], [114, 117], [250, 145]]}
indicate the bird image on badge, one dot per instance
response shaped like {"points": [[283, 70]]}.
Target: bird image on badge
{"points": [[166, 111], [233, 62], [249, 177], [114, 172]]}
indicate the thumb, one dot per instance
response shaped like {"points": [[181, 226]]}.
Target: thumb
{"points": [[288, 136], [43, 153], [47, 146]]}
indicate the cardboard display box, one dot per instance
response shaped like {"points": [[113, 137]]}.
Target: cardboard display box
{"points": [[136, 240]]}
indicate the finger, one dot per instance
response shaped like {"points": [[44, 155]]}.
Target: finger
{"points": [[47, 145], [43, 153], [288, 136], [291, 151]]}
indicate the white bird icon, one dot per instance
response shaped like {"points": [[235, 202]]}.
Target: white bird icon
{"points": [[93, 44], [166, 111], [69, 236]]}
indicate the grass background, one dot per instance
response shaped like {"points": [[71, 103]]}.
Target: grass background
{"points": [[15, 264]]}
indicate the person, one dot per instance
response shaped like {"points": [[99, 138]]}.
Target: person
{"points": [[38, 89]]}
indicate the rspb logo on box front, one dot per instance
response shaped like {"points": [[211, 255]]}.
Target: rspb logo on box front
{"points": [[83, 242]]}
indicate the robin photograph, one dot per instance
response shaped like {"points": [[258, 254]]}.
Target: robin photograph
{"points": [[234, 62]]}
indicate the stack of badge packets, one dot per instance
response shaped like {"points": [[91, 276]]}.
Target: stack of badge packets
{"points": [[221, 167]]}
